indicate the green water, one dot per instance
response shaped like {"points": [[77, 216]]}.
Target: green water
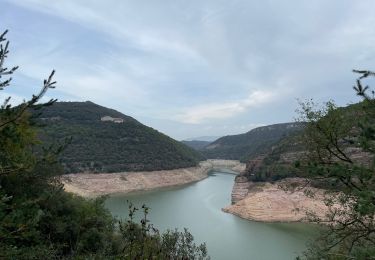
{"points": [[198, 207]]}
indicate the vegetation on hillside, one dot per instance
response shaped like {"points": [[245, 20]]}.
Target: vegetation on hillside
{"points": [[196, 144], [38, 220], [251, 144], [340, 145], [335, 151], [279, 162], [98, 146]]}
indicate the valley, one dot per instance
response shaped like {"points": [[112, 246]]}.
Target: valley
{"points": [[117, 156], [187, 130]]}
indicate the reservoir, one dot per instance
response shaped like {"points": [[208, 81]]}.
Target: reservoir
{"points": [[198, 207]]}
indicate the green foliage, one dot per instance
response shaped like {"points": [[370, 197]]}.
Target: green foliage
{"points": [[273, 172], [251, 144], [143, 240], [38, 220], [332, 122], [340, 144], [279, 162], [98, 146], [196, 144]]}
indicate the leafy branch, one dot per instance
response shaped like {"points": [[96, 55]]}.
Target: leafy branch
{"points": [[48, 83], [4, 50]]}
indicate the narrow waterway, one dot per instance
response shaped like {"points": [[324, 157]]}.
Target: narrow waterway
{"points": [[198, 208]]}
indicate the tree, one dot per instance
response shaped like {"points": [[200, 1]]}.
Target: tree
{"points": [[340, 144], [38, 220], [143, 241]]}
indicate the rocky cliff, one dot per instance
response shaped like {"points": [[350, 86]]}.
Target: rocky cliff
{"points": [[267, 202], [242, 183]]}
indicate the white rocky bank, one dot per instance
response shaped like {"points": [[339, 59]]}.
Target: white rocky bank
{"points": [[93, 185]]}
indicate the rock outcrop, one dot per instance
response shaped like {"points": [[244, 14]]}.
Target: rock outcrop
{"points": [[268, 202], [242, 184], [240, 188]]}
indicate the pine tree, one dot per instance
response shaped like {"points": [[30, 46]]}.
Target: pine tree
{"points": [[38, 220], [341, 148]]}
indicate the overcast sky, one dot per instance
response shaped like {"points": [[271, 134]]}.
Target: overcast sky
{"points": [[194, 67]]}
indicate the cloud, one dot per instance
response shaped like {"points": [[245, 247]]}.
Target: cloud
{"points": [[193, 61], [15, 99], [199, 114], [99, 16]]}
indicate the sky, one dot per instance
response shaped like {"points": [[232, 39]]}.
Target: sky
{"points": [[194, 67]]}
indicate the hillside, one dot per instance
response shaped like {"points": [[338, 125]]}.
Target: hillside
{"points": [[207, 138], [195, 144], [255, 142], [120, 143], [278, 163]]}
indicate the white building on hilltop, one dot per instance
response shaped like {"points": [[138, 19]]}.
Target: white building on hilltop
{"points": [[111, 119]]}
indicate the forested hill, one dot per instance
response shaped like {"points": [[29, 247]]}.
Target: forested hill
{"points": [[195, 144], [119, 144], [257, 141]]}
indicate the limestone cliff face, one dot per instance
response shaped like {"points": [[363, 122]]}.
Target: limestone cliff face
{"points": [[242, 184], [257, 194], [268, 202], [240, 188], [258, 169]]}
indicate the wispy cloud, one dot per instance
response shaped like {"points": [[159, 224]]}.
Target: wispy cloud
{"points": [[193, 62], [199, 114]]}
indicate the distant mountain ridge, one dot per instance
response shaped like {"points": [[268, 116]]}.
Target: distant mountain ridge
{"points": [[197, 145], [203, 138], [100, 144], [256, 141]]}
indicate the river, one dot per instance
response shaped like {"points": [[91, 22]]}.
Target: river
{"points": [[198, 207]]}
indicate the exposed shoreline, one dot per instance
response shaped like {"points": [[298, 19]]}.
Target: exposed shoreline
{"points": [[268, 202], [91, 185]]}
